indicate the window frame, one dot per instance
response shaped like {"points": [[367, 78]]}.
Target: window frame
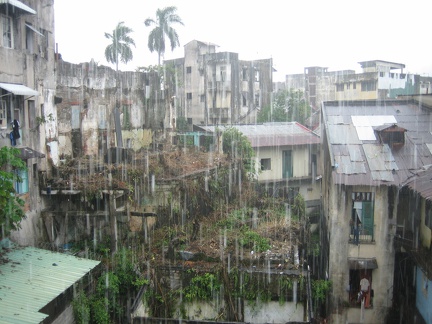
{"points": [[265, 164], [3, 114], [22, 187], [365, 200], [9, 35]]}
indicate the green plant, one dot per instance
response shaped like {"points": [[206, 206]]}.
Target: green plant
{"points": [[11, 206], [201, 287], [320, 288], [251, 239], [81, 308], [42, 120]]}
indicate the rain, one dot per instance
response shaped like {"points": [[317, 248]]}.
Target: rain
{"points": [[200, 189]]}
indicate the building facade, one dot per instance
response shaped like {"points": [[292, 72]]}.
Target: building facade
{"points": [[378, 80], [217, 88], [371, 149], [27, 88]]}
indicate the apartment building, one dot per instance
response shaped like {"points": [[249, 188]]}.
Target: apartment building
{"points": [[218, 88], [27, 87], [378, 80], [371, 150]]}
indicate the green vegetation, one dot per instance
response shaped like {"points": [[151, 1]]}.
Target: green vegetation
{"points": [[11, 206], [238, 148], [288, 105]]}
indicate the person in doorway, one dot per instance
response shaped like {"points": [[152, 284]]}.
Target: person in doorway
{"points": [[364, 287]]}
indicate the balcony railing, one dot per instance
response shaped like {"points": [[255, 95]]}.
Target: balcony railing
{"points": [[366, 235]]}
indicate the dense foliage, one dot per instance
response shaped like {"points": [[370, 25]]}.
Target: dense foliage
{"points": [[288, 105], [11, 206]]}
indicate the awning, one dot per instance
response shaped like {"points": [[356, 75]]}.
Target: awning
{"points": [[362, 263], [35, 30], [18, 89], [19, 5], [28, 153]]}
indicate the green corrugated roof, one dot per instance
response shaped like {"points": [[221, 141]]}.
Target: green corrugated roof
{"points": [[31, 278]]}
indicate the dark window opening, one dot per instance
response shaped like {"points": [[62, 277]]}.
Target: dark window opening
{"points": [[368, 85], [188, 69], [265, 164], [189, 95], [340, 87]]}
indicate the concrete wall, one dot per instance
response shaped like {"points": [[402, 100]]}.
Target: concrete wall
{"points": [[89, 97], [204, 96], [300, 161], [339, 206], [31, 66]]}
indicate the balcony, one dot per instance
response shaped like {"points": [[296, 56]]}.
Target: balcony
{"points": [[366, 235]]}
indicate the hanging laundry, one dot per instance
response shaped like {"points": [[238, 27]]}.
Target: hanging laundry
{"points": [[15, 129]]}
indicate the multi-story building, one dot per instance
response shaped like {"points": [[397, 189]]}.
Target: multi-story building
{"points": [[378, 80], [317, 83], [218, 88], [27, 87], [372, 148]]}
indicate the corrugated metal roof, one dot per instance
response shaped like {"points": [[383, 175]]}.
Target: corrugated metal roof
{"points": [[361, 159], [274, 134], [422, 183], [31, 278], [19, 5]]}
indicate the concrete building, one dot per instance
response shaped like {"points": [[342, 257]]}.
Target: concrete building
{"points": [[378, 80], [371, 149], [217, 88], [286, 158], [27, 88], [95, 115], [317, 83]]}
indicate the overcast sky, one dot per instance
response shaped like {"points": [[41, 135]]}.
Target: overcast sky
{"points": [[296, 34]]}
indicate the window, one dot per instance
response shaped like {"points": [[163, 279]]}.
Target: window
{"points": [[257, 76], [340, 87], [257, 100], [189, 96], [381, 74], [244, 73], [6, 29], [348, 86], [362, 217], [354, 85], [22, 187], [223, 73], [265, 164], [202, 98], [188, 69], [368, 85], [3, 114], [244, 100]]}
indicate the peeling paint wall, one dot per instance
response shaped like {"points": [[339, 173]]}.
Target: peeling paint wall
{"points": [[88, 95]]}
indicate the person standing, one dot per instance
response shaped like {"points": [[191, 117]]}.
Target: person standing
{"points": [[364, 286]]}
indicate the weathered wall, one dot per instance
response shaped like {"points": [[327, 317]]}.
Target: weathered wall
{"points": [[89, 97], [339, 207]]}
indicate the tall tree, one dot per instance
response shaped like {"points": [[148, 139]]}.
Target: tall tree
{"points": [[120, 47], [164, 19], [11, 206], [288, 105]]}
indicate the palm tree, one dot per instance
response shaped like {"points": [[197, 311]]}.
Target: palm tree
{"points": [[164, 19], [120, 48]]}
